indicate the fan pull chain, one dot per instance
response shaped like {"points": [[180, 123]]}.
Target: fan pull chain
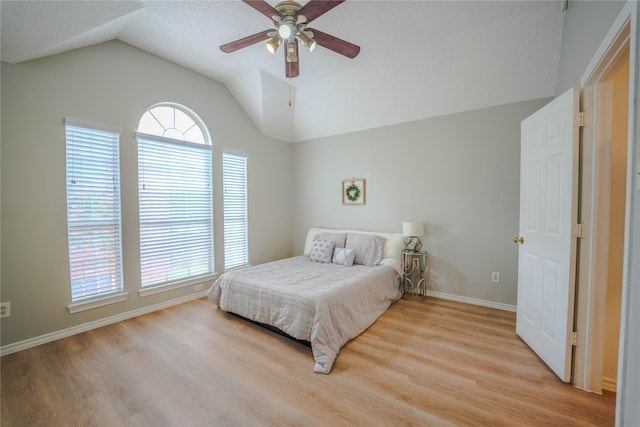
{"points": [[289, 92]]}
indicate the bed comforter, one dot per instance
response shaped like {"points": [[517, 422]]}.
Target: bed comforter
{"points": [[325, 304]]}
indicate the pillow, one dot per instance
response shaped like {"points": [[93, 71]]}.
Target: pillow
{"points": [[338, 238], [343, 256], [321, 251], [368, 248]]}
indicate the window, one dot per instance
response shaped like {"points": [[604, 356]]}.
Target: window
{"points": [[175, 196], [93, 210], [234, 177]]}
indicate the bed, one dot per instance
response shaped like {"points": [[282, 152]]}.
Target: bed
{"points": [[344, 281]]}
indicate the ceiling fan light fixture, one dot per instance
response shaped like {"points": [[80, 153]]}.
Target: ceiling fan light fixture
{"points": [[292, 53], [290, 20], [287, 31], [273, 44], [307, 41]]}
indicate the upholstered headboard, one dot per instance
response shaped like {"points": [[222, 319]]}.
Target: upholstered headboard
{"points": [[391, 253]]}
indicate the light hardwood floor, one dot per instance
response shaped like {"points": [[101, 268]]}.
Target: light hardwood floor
{"points": [[432, 363]]}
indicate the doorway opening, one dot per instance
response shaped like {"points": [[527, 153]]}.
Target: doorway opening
{"points": [[605, 145], [619, 93]]}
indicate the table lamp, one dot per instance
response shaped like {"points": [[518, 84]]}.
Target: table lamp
{"points": [[412, 230]]}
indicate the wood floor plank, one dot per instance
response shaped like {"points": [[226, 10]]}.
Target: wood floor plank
{"points": [[422, 363]]}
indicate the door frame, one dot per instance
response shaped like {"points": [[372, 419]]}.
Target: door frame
{"points": [[594, 193]]}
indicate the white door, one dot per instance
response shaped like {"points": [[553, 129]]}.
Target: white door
{"points": [[547, 245]]}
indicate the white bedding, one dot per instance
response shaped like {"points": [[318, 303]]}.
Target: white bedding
{"points": [[326, 304]]}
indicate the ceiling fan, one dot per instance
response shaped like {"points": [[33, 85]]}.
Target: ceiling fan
{"points": [[290, 20]]}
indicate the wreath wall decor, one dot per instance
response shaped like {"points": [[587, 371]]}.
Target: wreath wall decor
{"points": [[353, 191]]}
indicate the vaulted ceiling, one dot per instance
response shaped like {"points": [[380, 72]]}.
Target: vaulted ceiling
{"points": [[418, 59]]}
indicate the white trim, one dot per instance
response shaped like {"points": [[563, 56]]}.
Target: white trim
{"points": [[150, 137], [56, 335], [473, 301], [92, 125], [77, 307], [152, 290], [627, 410]]}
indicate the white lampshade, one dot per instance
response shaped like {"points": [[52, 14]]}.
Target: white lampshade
{"points": [[287, 31], [412, 228]]}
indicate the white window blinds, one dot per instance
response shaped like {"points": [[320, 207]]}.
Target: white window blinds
{"points": [[234, 176], [176, 211], [93, 210]]}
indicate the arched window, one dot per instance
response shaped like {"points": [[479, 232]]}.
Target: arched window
{"points": [[175, 122], [175, 196]]}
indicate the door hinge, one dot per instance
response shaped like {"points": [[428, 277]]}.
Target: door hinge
{"points": [[572, 339], [578, 231], [581, 119]]}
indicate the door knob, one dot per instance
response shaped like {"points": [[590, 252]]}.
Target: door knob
{"points": [[518, 240]]}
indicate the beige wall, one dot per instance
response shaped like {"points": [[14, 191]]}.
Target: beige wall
{"points": [[585, 25], [458, 174], [111, 83]]}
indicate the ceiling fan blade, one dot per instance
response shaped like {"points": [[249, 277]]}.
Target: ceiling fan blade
{"points": [[263, 7], [335, 44], [246, 41], [292, 69], [315, 8]]}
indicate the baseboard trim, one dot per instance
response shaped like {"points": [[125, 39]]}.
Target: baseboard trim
{"points": [[52, 336], [609, 385], [474, 301], [56, 335]]}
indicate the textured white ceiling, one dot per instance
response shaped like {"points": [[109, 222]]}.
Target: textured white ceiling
{"points": [[418, 59]]}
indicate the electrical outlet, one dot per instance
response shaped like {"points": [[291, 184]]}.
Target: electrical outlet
{"points": [[495, 277], [197, 288], [5, 309]]}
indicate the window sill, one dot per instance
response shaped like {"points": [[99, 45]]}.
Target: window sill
{"points": [[97, 302], [238, 267], [197, 282]]}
